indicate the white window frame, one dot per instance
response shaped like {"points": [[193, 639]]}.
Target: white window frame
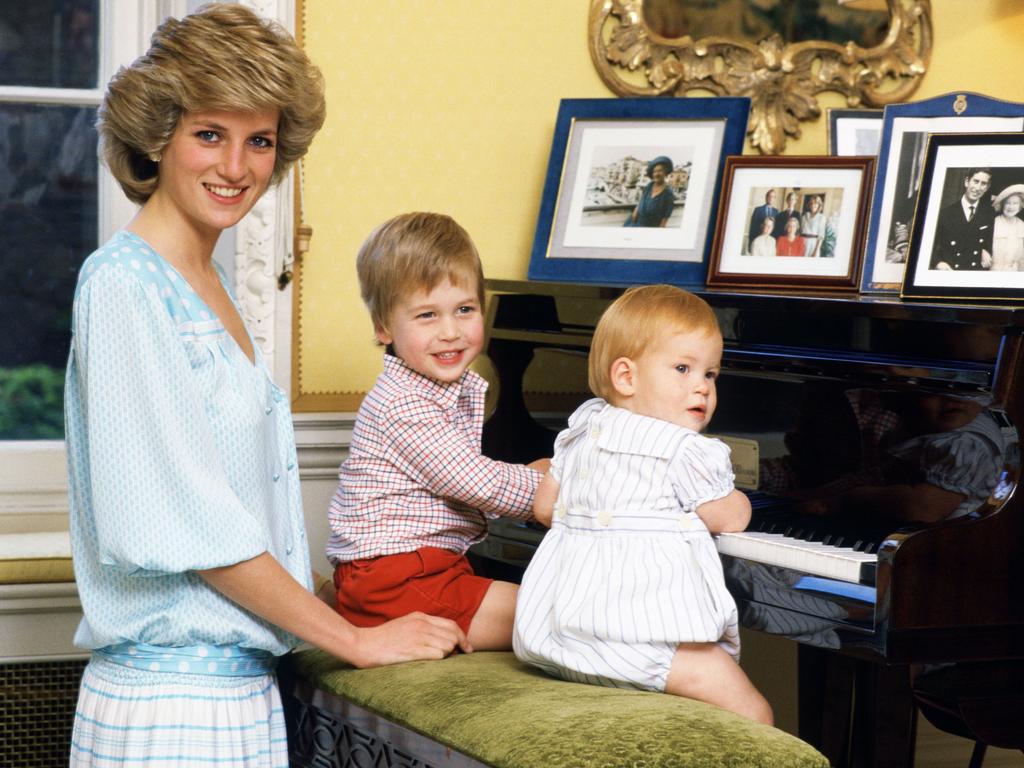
{"points": [[33, 474]]}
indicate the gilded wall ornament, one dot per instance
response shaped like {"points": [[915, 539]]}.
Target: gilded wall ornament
{"points": [[654, 54]]}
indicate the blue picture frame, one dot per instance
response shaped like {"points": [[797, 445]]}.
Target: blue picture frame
{"points": [[905, 131], [586, 242]]}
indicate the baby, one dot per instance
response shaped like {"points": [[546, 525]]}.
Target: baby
{"points": [[626, 589]]}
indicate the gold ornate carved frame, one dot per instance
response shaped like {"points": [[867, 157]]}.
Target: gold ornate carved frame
{"points": [[782, 79]]}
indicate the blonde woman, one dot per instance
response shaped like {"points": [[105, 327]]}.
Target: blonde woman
{"points": [[186, 519]]}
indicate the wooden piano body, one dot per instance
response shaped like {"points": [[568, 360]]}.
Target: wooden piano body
{"points": [[935, 592]]}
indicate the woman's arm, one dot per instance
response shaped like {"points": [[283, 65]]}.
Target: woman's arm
{"points": [[726, 515], [262, 586]]}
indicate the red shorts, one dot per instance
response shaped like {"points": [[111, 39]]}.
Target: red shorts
{"points": [[434, 581]]}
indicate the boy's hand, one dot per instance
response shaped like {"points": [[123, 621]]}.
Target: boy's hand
{"points": [[409, 638], [544, 500], [541, 465]]}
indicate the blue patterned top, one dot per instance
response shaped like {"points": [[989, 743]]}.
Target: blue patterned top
{"points": [[181, 457]]}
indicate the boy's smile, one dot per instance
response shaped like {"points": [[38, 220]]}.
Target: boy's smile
{"points": [[437, 333]]}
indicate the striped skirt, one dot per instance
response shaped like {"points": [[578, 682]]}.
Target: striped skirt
{"points": [[128, 717]]}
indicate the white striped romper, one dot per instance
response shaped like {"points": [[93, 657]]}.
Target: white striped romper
{"points": [[628, 570]]}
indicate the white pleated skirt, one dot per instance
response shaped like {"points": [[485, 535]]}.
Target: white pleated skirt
{"points": [[129, 717]]}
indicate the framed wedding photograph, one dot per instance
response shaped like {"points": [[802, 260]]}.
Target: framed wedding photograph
{"points": [[631, 187], [967, 239], [854, 131], [905, 131], [792, 222]]}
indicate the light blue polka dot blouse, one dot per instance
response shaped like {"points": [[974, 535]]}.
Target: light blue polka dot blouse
{"points": [[181, 457]]}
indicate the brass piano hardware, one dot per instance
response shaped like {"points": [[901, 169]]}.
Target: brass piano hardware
{"points": [[781, 78], [960, 104]]}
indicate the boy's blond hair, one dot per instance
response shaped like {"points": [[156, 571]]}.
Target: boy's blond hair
{"points": [[415, 252], [635, 320]]}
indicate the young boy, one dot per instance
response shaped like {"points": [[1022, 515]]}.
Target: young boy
{"points": [[415, 491]]}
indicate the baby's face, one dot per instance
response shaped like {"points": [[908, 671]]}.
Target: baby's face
{"points": [[674, 379]]}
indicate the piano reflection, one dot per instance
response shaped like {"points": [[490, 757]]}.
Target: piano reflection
{"points": [[878, 445]]}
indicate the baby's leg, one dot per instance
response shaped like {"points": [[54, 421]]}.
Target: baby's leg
{"points": [[491, 628], [705, 672]]}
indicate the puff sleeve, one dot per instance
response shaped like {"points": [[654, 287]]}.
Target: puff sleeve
{"points": [[701, 471], [156, 494]]}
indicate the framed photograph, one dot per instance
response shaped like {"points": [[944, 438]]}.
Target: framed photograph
{"points": [[967, 240], [789, 221], [905, 130], [854, 132], [631, 187]]}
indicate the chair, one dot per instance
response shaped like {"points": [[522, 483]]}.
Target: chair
{"points": [[982, 701]]}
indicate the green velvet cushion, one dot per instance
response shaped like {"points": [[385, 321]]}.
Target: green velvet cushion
{"points": [[499, 711]]}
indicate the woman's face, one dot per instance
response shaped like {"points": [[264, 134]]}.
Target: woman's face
{"points": [[658, 173], [217, 165], [791, 226], [815, 204], [767, 225], [1011, 205]]}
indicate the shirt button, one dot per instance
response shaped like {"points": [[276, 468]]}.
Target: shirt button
{"points": [[595, 432], [291, 465], [584, 473], [276, 477], [268, 410], [560, 511], [684, 523], [604, 517]]}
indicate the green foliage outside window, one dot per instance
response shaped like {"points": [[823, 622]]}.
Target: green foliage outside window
{"points": [[31, 403]]}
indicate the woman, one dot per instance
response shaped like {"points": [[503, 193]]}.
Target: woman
{"points": [[186, 521], [1008, 231], [764, 244], [791, 244], [656, 200], [812, 226]]}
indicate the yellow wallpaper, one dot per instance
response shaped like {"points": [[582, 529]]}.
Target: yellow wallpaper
{"points": [[450, 106]]}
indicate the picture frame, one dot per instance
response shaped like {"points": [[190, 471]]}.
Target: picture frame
{"points": [[853, 132], [828, 197], [905, 130], [967, 240], [601, 155]]}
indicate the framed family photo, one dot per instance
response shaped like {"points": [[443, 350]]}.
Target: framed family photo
{"points": [[968, 233], [905, 131], [631, 187], [854, 132], [791, 222]]}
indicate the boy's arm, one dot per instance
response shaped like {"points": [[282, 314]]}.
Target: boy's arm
{"points": [[728, 514], [544, 500], [446, 462]]}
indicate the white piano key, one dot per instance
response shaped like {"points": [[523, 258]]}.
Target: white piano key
{"points": [[809, 557]]}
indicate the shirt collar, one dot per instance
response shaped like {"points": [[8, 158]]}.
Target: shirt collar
{"points": [[445, 395]]}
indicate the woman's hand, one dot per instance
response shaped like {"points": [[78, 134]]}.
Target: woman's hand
{"points": [[412, 637]]}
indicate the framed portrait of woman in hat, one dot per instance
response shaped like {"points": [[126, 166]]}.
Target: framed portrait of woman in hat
{"points": [[967, 240], [631, 187]]}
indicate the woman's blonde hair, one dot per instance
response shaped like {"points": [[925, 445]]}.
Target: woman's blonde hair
{"points": [[635, 320], [222, 57], [415, 252]]}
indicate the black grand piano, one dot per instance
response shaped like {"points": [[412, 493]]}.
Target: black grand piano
{"points": [[843, 409]]}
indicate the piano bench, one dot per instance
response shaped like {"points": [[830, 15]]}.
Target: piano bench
{"points": [[488, 709]]}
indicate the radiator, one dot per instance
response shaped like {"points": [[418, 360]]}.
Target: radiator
{"points": [[37, 707]]}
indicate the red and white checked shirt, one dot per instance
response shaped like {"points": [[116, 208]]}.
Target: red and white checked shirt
{"points": [[415, 476]]}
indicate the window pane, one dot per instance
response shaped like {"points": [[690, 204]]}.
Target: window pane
{"points": [[48, 225], [49, 43]]}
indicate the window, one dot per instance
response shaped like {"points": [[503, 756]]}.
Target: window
{"points": [[57, 203]]}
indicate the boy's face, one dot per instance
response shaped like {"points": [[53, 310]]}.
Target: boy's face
{"points": [[674, 379], [437, 333]]}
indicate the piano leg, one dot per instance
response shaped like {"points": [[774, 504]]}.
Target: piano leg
{"points": [[858, 713]]}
